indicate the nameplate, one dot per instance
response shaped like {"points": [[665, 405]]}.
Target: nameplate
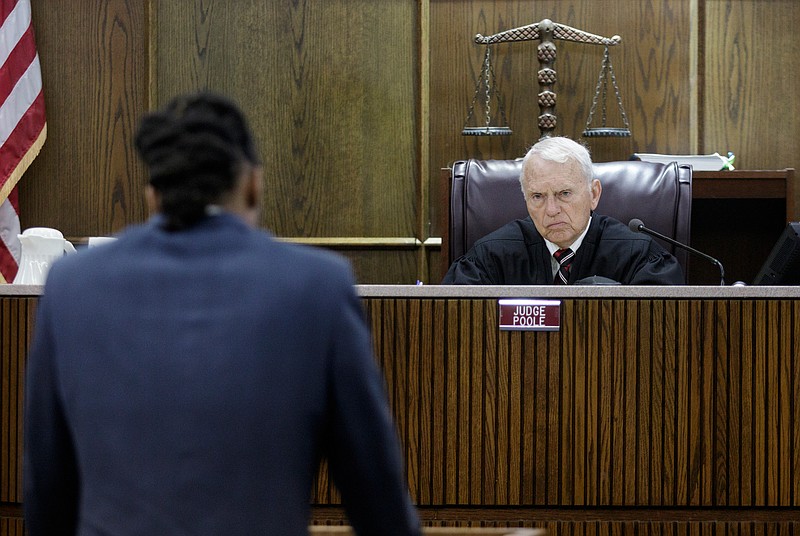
{"points": [[530, 315]]}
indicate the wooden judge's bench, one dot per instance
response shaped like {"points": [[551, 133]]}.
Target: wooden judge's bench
{"points": [[650, 411]]}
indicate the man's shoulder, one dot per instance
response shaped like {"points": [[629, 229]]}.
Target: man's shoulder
{"points": [[613, 237], [608, 228], [518, 231], [250, 253]]}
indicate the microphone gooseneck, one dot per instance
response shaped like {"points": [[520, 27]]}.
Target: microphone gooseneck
{"points": [[637, 226]]}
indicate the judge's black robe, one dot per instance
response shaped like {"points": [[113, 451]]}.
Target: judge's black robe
{"points": [[516, 254]]}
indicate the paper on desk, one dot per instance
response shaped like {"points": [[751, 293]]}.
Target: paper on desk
{"points": [[699, 162]]}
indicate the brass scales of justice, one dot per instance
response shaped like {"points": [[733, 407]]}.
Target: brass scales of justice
{"points": [[546, 31]]}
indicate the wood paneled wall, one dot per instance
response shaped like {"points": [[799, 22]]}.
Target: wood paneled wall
{"points": [[638, 415], [87, 180], [359, 104], [330, 87]]}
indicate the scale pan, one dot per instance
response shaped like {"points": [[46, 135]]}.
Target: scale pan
{"points": [[606, 132], [486, 131]]}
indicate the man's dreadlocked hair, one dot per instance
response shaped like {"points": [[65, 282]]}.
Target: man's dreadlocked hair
{"points": [[195, 148]]}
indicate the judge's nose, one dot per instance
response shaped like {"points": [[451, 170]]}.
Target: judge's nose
{"points": [[552, 206]]}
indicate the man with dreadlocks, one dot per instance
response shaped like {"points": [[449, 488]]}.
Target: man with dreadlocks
{"points": [[187, 378]]}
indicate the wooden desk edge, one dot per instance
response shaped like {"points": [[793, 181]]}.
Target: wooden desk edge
{"points": [[745, 173], [682, 292]]}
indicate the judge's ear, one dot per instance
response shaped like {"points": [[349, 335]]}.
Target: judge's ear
{"points": [[596, 190]]}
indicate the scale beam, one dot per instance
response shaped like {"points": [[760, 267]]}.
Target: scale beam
{"points": [[546, 31], [559, 31]]}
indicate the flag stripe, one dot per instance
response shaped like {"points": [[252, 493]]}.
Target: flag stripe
{"points": [[9, 243], [19, 143], [14, 25], [23, 128], [17, 64], [22, 97], [6, 7]]}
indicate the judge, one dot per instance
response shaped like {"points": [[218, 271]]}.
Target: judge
{"points": [[563, 241]]}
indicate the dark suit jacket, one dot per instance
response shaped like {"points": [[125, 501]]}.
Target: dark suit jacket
{"points": [[189, 383], [516, 254]]}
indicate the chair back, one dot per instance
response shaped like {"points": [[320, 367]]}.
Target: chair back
{"points": [[486, 194]]}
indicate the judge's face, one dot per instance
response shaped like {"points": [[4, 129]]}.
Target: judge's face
{"points": [[559, 199]]}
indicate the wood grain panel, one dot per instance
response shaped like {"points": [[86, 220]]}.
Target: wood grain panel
{"points": [[689, 402], [793, 433], [330, 90], [16, 325], [671, 433], [87, 179], [746, 416], [722, 397], [11, 527], [661, 404], [644, 379], [382, 265], [751, 55], [594, 445]]}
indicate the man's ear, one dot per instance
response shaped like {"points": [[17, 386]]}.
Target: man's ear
{"points": [[255, 188], [251, 196], [153, 199], [596, 190]]}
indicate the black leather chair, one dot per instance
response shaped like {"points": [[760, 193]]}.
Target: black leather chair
{"points": [[486, 194]]}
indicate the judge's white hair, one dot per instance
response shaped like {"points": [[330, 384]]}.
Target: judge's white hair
{"points": [[561, 149]]}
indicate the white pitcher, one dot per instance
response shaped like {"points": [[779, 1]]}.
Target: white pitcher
{"points": [[41, 246]]}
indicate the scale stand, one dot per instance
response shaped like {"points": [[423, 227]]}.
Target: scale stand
{"points": [[546, 31]]}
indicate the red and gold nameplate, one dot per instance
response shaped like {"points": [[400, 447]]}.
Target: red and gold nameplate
{"points": [[530, 315]]}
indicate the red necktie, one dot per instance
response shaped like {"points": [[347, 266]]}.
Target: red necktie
{"points": [[564, 258]]}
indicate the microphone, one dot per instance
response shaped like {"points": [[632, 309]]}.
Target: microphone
{"points": [[637, 226]]}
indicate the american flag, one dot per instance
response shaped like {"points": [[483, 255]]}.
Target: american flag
{"points": [[23, 128]]}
